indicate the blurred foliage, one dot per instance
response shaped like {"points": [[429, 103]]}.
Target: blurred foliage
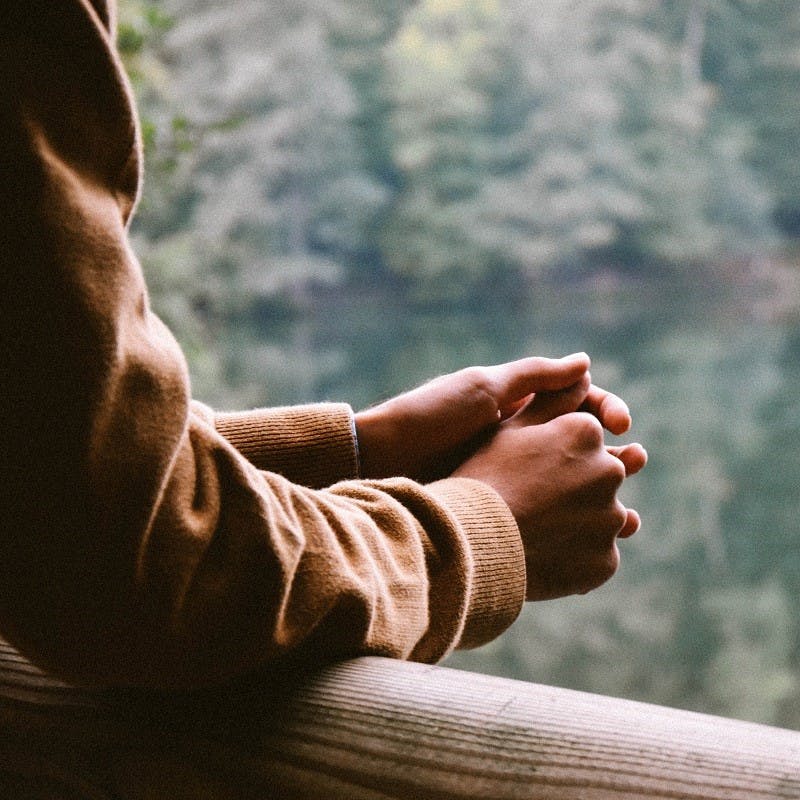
{"points": [[346, 197], [450, 142]]}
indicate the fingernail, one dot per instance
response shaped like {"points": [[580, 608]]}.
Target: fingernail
{"points": [[575, 357]]}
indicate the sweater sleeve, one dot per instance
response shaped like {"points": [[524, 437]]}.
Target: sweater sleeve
{"points": [[142, 543], [313, 445]]}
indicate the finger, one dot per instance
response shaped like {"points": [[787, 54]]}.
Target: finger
{"points": [[546, 406], [510, 409], [611, 410], [632, 524], [633, 456], [517, 380]]}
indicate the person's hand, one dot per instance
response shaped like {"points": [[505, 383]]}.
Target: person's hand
{"points": [[426, 433], [609, 410], [560, 481]]}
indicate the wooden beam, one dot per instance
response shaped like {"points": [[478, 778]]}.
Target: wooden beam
{"points": [[376, 728]]}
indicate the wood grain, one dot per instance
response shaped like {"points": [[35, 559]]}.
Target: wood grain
{"points": [[375, 728]]}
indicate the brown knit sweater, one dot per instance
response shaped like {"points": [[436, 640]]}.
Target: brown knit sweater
{"points": [[145, 540]]}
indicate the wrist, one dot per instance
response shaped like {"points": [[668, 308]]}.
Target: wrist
{"points": [[373, 440]]}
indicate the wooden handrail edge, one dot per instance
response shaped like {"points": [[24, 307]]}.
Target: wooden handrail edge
{"points": [[378, 728]]}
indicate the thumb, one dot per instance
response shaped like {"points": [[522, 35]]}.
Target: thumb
{"points": [[546, 406], [517, 380]]}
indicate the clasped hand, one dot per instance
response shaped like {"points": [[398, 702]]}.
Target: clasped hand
{"points": [[533, 430]]}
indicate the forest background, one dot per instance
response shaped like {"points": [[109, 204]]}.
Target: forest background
{"points": [[344, 198]]}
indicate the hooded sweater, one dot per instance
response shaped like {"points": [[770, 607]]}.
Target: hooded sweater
{"points": [[146, 540]]}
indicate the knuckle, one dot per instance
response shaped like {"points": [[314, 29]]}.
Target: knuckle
{"points": [[476, 380], [474, 376], [608, 477], [618, 517], [608, 521], [540, 363], [586, 429], [478, 384], [609, 564], [602, 568], [615, 470]]}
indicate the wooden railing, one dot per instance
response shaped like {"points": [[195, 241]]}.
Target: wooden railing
{"points": [[375, 728]]}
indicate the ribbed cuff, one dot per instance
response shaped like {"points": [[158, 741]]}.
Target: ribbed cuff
{"points": [[313, 445], [497, 589]]}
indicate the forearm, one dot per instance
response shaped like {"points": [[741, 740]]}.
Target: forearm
{"points": [[238, 569], [241, 568]]}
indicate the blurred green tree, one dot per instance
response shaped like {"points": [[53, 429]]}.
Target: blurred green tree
{"points": [[690, 166], [458, 101], [631, 158], [753, 56], [255, 185]]}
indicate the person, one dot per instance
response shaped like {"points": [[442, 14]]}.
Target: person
{"points": [[148, 541]]}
